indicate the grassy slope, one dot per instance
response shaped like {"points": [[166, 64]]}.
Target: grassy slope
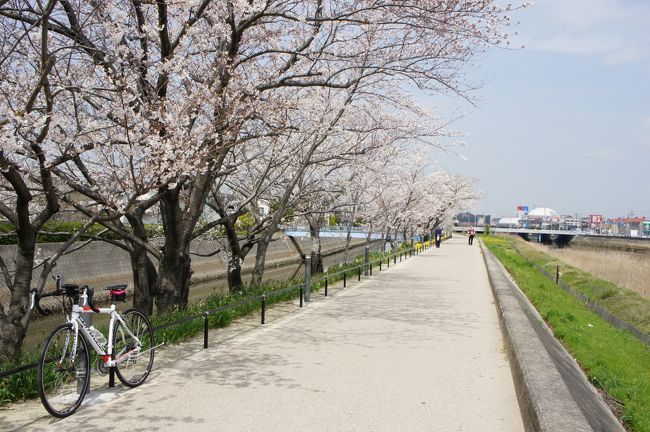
{"points": [[613, 360], [626, 304]]}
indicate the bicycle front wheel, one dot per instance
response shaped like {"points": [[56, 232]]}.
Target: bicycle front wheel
{"points": [[63, 372], [133, 346]]}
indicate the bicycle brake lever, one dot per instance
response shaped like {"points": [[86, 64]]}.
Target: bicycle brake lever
{"points": [[36, 304]]}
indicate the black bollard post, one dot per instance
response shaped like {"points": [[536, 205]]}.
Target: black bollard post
{"points": [[366, 258], [307, 290], [557, 276], [301, 291], [344, 278], [263, 309], [359, 273], [205, 329], [380, 260], [325, 286]]}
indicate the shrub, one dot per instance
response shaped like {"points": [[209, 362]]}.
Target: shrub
{"points": [[56, 232]]}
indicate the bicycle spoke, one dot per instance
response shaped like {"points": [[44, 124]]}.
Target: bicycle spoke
{"points": [[63, 372], [133, 347]]}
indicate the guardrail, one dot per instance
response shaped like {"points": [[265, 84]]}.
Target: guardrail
{"points": [[366, 267]]}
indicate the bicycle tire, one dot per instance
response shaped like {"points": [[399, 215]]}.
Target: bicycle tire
{"points": [[133, 369], [62, 378]]}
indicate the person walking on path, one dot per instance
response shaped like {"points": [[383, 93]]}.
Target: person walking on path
{"points": [[438, 236], [471, 232]]}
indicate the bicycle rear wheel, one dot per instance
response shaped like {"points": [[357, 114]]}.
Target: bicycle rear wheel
{"points": [[134, 359], [63, 373]]}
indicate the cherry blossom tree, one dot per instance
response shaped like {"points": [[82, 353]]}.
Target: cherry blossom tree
{"points": [[35, 138], [136, 104]]}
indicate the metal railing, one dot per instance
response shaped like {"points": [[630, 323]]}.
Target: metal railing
{"points": [[365, 267]]}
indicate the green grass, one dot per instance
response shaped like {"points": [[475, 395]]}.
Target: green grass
{"points": [[628, 305], [61, 231], [23, 385], [613, 360]]}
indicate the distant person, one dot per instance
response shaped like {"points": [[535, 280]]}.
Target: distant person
{"points": [[471, 232], [438, 236]]}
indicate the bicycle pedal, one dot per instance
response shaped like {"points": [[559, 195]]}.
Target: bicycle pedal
{"points": [[101, 367]]}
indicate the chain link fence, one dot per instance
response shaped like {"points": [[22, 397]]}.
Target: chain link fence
{"points": [[100, 264]]}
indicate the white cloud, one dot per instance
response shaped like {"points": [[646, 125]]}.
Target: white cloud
{"points": [[627, 55], [578, 44], [613, 30], [645, 122], [589, 15]]}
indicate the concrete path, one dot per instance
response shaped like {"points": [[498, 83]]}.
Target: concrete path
{"points": [[416, 347]]}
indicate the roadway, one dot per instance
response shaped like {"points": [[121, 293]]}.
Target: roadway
{"points": [[416, 347]]}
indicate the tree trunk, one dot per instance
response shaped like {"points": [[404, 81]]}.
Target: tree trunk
{"points": [[369, 235], [393, 242], [316, 257], [13, 325], [145, 278], [12, 335], [173, 279], [235, 282], [260, 259], [174, 269], [348, 237]]}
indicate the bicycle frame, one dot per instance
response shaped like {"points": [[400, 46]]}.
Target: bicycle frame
{"points": [[79, 325]]}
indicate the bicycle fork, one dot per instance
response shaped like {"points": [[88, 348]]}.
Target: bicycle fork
{"points": [[80, 372]]}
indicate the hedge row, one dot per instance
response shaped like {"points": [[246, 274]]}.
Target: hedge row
{"points": [[54, 232]]}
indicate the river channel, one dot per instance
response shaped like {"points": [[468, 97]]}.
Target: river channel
{"points": [[41, 326]]}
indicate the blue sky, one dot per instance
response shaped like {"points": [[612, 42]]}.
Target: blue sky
{"points": [[564, 122]]}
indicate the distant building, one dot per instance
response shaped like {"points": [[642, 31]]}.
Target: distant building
{"points": [[467, 219], [627, 226], [569, 222], [541, 217], [508, 222]]}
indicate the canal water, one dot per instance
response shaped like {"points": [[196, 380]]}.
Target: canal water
{"points": [[40, 327]]}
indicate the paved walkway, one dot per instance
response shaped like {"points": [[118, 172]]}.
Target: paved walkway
{"points": [[417, 347]]}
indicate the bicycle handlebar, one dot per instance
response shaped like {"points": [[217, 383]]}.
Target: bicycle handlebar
{"points": [[69, 290], [89, 298]]}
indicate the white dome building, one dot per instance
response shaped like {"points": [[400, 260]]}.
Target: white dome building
{"points": [[543, 212], [541, 217]]}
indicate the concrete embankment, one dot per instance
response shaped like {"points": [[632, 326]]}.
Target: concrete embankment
{"points": [[102, 264], [553, 392]]}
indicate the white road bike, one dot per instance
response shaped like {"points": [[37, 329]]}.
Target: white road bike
{"points": [[64, 365]]}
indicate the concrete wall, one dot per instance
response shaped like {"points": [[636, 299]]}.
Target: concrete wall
{"points": [[102, 264]]}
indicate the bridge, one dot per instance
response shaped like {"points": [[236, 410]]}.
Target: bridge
{"points": [[545, 236], [557, 237]]}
